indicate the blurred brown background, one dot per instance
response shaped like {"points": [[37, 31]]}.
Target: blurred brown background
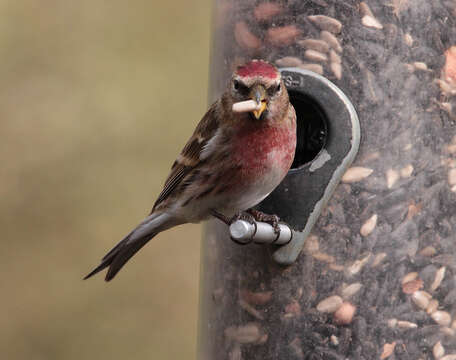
{"points": [[96, 100]]}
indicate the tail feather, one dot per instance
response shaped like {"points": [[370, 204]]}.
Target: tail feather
{"points": [[119, 255], [116, 258]]}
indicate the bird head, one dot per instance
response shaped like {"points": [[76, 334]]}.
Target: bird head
{"points": [[261, 82]]}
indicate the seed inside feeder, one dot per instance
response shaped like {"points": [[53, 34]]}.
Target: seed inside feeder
{"points": [[246, 106]]}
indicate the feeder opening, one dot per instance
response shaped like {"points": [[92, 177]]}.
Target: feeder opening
{"points": [[312, 129]]}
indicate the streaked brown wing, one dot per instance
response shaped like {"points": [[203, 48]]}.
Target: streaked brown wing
{"points": [[189, 158]]}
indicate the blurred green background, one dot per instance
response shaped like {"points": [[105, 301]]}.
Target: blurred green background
{"points": [[96, 100]]}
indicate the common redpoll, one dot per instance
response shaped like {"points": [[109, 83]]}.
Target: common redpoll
{"points": [[234, 159]]}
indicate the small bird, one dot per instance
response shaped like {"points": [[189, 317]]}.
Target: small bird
{"points": [[236, 156]]}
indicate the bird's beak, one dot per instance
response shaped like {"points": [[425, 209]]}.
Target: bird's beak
{"points": [[258, 94]]}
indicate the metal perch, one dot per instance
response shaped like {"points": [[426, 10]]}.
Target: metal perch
{"points": [[243, 232]]}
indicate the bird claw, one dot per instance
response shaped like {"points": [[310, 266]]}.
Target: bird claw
{"points": [[243, 216], [239, 216], [272, 220], [251, 216], [246, 217]]}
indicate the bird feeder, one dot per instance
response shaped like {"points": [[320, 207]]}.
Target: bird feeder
{"points": [[365, 267]]}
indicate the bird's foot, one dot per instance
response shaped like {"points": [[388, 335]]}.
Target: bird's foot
{"points": [[243, 216], [251, 216], [220, 216], [239, 216], [272, 220], [246, 217]]}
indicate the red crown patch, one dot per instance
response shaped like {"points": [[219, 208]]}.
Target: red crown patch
{"points": [[257, 68]]}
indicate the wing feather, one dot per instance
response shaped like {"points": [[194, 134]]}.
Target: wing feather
{"points": [[190, 157]]}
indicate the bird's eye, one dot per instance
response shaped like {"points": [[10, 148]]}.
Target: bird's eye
{"points": [[274, 89], [240, 88]]}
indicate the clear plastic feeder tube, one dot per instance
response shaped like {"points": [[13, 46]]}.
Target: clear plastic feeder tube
{"points": [[376, 278]]}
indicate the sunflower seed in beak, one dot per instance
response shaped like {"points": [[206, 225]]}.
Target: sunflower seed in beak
{"points": [[246, 106]]}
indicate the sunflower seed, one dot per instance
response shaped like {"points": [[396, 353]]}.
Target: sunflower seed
{"points": [[392, 323], [288, 61], [406, 324], [336, 267], [432, 307], [406, 171], [447, 331], [421, 299], [244, 334], [356, 173], [449, 357], [391, 177], [409, 277], [439, 275], [336, 69], [256, 298], [451, 149], [326, 23], [441, 317], [313, 55], [428, 251], [331, 40], [250, 309], [364, 9], [330, 304], [408, 39], [418, 65], [378, 259], [236, 353], [266, 11], [438, 351], [452, 177], [371, 22], [334, 57], [369, 225], [320, 256], [356, 267], [316, 68], [245, 106], [412, 286], [350, 290], [282, 36], [314, 44], [388, 350], [245, 38]]}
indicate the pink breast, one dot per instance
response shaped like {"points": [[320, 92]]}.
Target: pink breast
{"points": [[260, 151]]}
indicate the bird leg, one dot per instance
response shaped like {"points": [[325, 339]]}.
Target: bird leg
{"points": [[220, 216], [239, 216], [272, 220]]}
